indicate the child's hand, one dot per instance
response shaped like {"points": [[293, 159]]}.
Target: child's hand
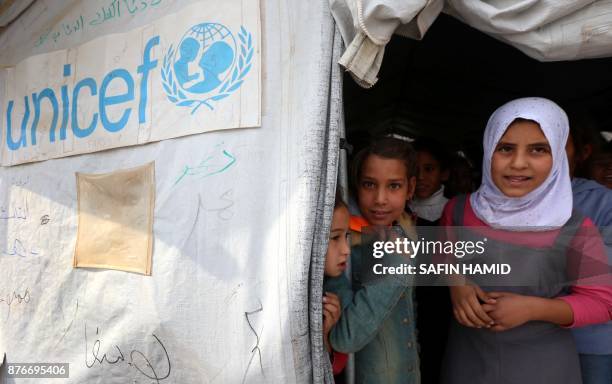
{"points": [[466, 307], [331, 314], [511, 310], [331, 311]]}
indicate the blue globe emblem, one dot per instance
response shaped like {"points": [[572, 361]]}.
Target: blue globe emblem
{"points": [[204, 58], [207, 65]]}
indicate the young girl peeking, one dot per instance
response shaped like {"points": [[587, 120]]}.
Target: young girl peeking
{"points": [[432, 165], [336, 260], [377, 322], [520, 334], [433, 303]]}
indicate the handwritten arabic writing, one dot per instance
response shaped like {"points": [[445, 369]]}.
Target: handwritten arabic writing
{"points": [[226, 212], [65, 29], [107, 12], [20, 181], [256, 350], [11, 297], [16, 298], [20, 249], [212, 165], [19, 212], [134, 359], [44, 219], [113, 10]]}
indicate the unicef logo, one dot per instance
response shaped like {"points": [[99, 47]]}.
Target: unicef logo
{"points": [[208, 66]]}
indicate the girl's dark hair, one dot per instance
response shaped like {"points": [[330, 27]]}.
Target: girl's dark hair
{"points": [[388, 148], [436, 149], [462, 177], [583, 130]]}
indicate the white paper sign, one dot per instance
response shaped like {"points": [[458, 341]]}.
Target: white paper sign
{"points": [[190, 72]]}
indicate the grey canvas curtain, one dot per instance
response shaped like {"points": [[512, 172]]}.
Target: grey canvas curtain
{"points": [[327, 128], [318, 162], [331, 101]]}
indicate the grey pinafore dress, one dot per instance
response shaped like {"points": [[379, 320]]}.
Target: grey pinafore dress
{"points": [[534, 353]]}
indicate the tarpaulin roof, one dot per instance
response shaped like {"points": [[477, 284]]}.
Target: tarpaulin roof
{"points": [[447, 84], [546, 30], [11, 9]]}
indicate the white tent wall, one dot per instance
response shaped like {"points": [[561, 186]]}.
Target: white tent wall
{"points": [[234, 294]]}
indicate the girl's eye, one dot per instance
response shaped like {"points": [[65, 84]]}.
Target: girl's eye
{"points": [[367, 184], [395, 186], [429, 168], [335, 237], [504, 149], [540, 149]]}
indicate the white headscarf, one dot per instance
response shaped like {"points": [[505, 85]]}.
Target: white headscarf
{"points": [[431, 207], [550, 204]]}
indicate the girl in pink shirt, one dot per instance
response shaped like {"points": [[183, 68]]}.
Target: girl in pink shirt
{"points": [[505, 334]]}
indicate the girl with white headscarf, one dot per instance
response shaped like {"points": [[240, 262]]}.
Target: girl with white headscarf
{"points": [[549, 205], [507, 333]]}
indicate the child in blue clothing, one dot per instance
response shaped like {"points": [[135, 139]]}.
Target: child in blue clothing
{"points": [[336, 259], [378, 321], [594, 343]]}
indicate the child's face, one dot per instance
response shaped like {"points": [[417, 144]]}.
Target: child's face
{"points": [[430, 175], [383, 189], [601, 169], [522, 159], [338, 249]]}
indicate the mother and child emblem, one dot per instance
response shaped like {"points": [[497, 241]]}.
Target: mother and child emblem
{"points": [[208, 66]]}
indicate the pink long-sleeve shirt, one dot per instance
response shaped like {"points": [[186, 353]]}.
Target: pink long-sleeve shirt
{"points": [[592, 303]]}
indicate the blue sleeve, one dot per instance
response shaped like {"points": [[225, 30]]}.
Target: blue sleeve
{"points": [[365, 308], [341, 286]]}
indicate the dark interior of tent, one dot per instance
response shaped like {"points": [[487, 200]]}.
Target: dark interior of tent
{"points": [[447, 85]]}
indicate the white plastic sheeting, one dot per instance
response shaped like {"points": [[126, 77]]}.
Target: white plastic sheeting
{"points": [[547, 30], [11, 9], [234, 292], [367, 26]]}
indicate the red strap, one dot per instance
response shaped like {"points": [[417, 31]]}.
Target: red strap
{"points": [[356, 222]]}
